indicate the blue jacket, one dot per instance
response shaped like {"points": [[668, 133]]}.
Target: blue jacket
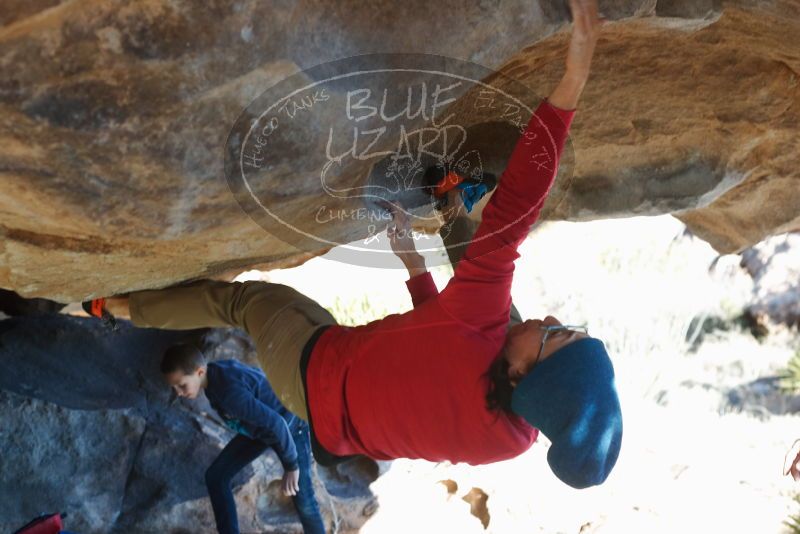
{"points": [[244, 399]]}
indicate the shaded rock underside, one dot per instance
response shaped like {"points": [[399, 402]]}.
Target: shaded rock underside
{"points": [[113, 117]]}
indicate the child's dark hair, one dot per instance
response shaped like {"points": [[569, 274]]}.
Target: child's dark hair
{"points": [[500, 389], [182, 357]]}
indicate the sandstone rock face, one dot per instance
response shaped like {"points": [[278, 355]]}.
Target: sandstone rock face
{"points": [[114, 118], [88, 429]]}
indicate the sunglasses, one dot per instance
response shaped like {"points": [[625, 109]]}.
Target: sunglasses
{"points": [[558, 328]]}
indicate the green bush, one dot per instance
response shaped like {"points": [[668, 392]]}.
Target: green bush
{"points": [[793, 523], [790, 378]]}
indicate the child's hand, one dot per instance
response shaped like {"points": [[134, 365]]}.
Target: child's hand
{"points": [[290, 484], [454, 207]]}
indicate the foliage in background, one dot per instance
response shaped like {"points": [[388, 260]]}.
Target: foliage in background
{"points": [[790, 377], [358, 311], [793, 523], [643, 288]]}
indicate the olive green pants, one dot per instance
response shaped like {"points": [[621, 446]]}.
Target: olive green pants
{"points": [[278, 318]]}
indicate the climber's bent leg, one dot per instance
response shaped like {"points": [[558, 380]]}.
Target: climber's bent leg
{"points": [[278, 318]]}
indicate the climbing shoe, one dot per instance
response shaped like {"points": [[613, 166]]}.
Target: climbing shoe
{"points": [[97, 308]]}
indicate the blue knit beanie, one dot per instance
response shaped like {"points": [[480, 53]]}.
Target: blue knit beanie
{"points": [[572, 399]]}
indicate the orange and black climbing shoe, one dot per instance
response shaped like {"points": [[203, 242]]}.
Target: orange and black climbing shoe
{"points": [[97, 308]]}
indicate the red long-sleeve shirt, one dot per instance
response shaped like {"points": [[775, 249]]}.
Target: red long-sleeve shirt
{"points": [[413, 385]]}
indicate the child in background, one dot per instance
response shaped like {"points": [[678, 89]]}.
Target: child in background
{"points": [[244, 399]]}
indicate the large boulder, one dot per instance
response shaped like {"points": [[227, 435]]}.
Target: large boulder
{"points": [[90, 430], [114, 116]]}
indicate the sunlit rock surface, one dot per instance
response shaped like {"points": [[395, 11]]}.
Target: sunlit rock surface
{"points": [[113, 118]]}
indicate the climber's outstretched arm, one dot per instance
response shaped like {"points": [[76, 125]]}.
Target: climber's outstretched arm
{"points": [[585, 31], [485, 272]]}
